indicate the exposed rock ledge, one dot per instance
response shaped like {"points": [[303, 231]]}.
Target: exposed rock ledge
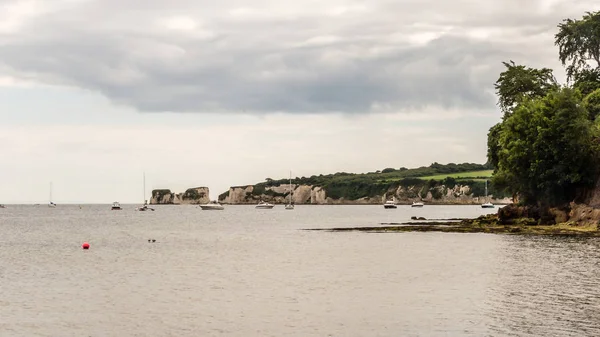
{"points": [[196, 195], [307, 194]]}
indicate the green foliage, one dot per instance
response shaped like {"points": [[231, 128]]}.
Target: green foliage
{"points": [[192, 194], [385, 178], [160, 193], [224, 195], [352, 186], [518, 83], [587, 81], [463, 175], [546, 149], [579, 42], [259, 189], [592, 104], [494, 145]]}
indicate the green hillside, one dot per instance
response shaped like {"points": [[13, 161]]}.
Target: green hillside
{"points": [[475, 175], [352, 186]]}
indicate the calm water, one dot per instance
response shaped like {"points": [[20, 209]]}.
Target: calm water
{"points": [[248, 272]]}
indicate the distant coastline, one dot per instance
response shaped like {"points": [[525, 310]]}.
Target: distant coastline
{"points": [[437, 184]]}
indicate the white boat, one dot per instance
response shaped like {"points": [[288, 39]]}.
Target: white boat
{"points": [[487, 204], [50, 203], [264, 205], [390, 204], [115, 206], [145, 206], [213, 205], [417, 204], [290, 205]]}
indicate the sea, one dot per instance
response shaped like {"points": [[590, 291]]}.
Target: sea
{"points": [[181, 271]]}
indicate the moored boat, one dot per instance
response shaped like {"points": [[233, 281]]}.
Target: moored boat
{"points": [[264, 205], [212, 206]]}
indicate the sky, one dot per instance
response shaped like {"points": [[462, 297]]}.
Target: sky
{"points": [[96, 93]]}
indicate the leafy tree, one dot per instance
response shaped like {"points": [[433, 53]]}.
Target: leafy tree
{"points": [[494, 145], [547, 149], [518, 83], [587, 80], [579, 43], [592, 104]]}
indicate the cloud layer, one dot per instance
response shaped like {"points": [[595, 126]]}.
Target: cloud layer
{"points": [[286, 56]]}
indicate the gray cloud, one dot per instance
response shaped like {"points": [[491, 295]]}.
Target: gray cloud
{"points": [[348, 56]]}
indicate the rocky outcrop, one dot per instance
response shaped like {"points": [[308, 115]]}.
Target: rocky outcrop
{"points": [[317, 195], [196, 195]]}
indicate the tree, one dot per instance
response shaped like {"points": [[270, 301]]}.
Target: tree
{"points": [[591, 103], [494, 145], [587, 80], [579, 43], [518, 83], [546, 149]]}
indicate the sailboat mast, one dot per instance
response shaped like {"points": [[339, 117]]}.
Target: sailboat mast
{"points": [[50, 196], [290, 187], [486, 190], [144, 198]]}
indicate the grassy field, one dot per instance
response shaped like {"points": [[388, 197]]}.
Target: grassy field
{"points": [[463, 175]]}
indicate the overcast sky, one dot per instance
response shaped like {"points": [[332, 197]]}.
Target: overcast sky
{"points": [[217, 93]]}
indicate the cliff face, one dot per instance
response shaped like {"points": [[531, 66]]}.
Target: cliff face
{"points": [[307, 194], [196, 195]]}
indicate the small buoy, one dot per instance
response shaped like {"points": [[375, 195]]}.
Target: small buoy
{"points": [[148, 240], [153, 240], [85, 245]]}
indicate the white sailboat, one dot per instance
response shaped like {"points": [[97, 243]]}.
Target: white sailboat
{"points": [[145, 206], [50, 202], [290, 205], [487, 204]]}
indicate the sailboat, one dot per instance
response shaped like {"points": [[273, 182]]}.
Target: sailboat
{"points": [[487, 204], [145, 206], [50, 203], [290, 205]]}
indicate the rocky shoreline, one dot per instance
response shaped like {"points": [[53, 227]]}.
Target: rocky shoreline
{"points": [[489, 224]]}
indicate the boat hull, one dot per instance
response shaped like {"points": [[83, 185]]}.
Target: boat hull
{"points": [[265, 206], [212, 208], [289, 206], [390, 206]]}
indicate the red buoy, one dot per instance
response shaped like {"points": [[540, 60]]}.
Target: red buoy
{"points": [[85, 245]]}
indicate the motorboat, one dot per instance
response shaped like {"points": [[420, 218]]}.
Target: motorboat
{"points": [[264, 205], [390, 204], [2, 206], [51, 204], [289, 206], [417, 204], [116, 206], [212, 206]]}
